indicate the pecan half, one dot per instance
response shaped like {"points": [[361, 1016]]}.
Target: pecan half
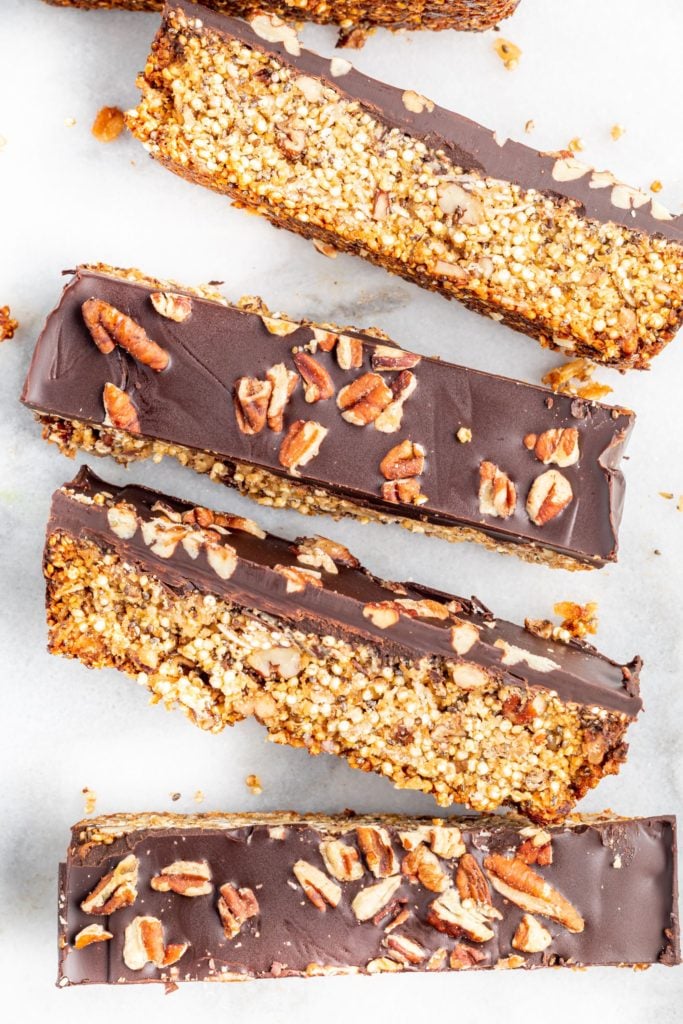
{"points": [[283, 383], [317, 381], [144, 944], [421, 865], [471, 881], [448, 914], [404, 492], [109, 327], [531, 936], [517, 882], [172, 306], [404, 949], [390, 357], [119, 409], [301, 444], [116, 889], [369, 901], [185, 878], [251, 398], [559, 445], [318, 887], [497, 493], [550, 493], [284, 662], [403, 461], [91, 933], [235, 907], [341, 860], [364, 399], [298, 579], [377, 850]]}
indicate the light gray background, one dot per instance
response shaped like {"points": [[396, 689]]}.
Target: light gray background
{"points": [[66, 198]]}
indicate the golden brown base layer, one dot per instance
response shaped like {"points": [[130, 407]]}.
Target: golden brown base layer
{"points": [[407, 720]]}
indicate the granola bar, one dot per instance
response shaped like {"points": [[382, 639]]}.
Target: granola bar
{"points": [[355, 17], [173, 898], [324, 419], [223, 621], [568, 255]]}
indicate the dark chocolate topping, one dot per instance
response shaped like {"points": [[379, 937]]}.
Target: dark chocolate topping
{"points": [[578, 673], [624, 888], [468, 144], [190, 403]]}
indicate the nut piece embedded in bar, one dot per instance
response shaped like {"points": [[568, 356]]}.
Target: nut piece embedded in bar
{"points": [[286, 627], [281, 899]]}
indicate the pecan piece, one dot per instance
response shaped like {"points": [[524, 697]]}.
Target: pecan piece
{"points": [[109, 327], [469, 676], [421, 865], [402, 387], [144, 944], [222, 558], [446, 841], [116, 889], [119, 409], [318, 383], [455, 201], [381, 205], [531, 936], [318, 887], [517, 882], [404, 949], [497, 493], [463, 957], [123, 520], [364, 399], [298, 579], [321, 552], [471, 881], [537, 848], [91, 933], [464, 635], [185, 878], [301, 444], [349, 352], [172, 305], [283, 383], [251, 398], [369, 901], [390, 357], [382, 614], [377, 850], [448, 914], [324, 340], [559, 445], [284, 662], [235, 907], [341, 860], [291, 140], [404, 492], [550, 493], [403, 461]]}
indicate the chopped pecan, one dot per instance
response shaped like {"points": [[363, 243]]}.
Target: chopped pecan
{"points": [[421, 865], [455, 201], [341, 860], [284, 662], [404, 949], [437, 959], [517, 882], [464, 635], [251, 397], [377, 850], [381, 205], [222, 558], [323, 339], [448, 914], [559, 445], [349, 352], [446, 841], [391, 357], [364, 399], [200, 516], [549, 495], [172, 305], [497, 493], [416, 103], [301, 444], [318, 887], [382, 965], [471, 881], [382, 614], [116, 889], [537, 849], [275, 30], [369, 901], [463, 957], [403, 461], [144, 944], [184, 877], [235, 907], [424, 609], [402, 387], [119, 409], [123, 520], [317, 381], [469, 676], [279, 325], [394, 907], [109, 327], [323, 553], [91, 933], [283, 383], [404, 492], [298, 579], [531, 936]]}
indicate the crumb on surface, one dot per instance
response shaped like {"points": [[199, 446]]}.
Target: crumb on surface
{"points": [[616, 131], [90, 803], [253, 783], [575, 378], [8, 324], [108, 124], [199, 797], [508, 52]]}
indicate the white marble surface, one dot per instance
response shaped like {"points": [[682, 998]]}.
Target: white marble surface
{"points": [[65, 198]]}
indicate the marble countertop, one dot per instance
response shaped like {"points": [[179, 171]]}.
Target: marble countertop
{"points": [[66, 198]]}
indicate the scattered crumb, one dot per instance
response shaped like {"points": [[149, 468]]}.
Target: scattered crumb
{"points": [[529, 126], [254, 784], [576, 145], [199, 797], [7, 324], [464, 435], [3, 141], [666, 494], [90, 800], [508, 52], [69, 122], [656, 185], [170, 987], [575, 379], [656, 551], [325, 249], [616, 131], [577, 621], [679, 503], [174, 796], [108, 124]]}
